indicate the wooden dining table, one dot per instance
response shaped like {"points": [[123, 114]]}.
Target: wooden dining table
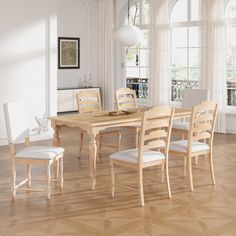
{"points": [[93, 123]]}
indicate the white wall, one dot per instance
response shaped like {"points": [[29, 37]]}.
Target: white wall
{"points": [[28, 52], [24, 58], [78, 18]]}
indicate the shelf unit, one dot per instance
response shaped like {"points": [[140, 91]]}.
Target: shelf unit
{"points": [[66, 99]]}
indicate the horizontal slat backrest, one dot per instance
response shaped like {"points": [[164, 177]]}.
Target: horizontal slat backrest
{"points": [[88, 101], [203, 121], [126, 99], [156, 129]]}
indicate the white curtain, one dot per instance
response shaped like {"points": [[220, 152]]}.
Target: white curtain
{"points": [[159, 82], [213, 55], [106, 79]]}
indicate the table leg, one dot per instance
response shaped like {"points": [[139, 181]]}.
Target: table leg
{"points": [[56, 137], [92, 158]]}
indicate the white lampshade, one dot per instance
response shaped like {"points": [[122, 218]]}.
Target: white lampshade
{"points": [[129, 35]]}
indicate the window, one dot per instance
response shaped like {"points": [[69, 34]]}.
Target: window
{"points": [[185, 47], [230, 15], [137, 57]]}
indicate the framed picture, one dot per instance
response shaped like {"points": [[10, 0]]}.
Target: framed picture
{"points": [[68, 53]]}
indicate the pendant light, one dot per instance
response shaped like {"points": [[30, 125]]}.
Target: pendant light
{"points": [[129, 35]]}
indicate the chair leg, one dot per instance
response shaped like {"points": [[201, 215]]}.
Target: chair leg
{"points": [[81, 143], [185, 166], [162, 171], [112, 179], [212, 168], [49, 181], [136, 137], [29, 175], [119, 141], [190, 172], [167, 178], [13, 185], [99, 147], [140, 186], [61, 172], [196, 160]]}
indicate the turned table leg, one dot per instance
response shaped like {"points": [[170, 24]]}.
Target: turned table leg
{"points": [[56, 137], [92, 158]]}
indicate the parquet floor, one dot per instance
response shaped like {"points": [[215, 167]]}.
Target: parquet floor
{"points": [[209, 210]]}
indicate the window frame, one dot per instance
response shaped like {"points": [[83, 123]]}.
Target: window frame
{"points": [[228, 22], [140, 101], [184, 24]]}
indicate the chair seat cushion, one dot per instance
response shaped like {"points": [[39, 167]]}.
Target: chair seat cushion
{"points": [[39, 152], [131, 156], [182, 146], [180, 125]]}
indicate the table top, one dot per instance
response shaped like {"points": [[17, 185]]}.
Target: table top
{"points": [[103, 118]]}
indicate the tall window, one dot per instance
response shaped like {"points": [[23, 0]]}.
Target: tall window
{"points": [[137, 57], [185, 47], [230, 15]]}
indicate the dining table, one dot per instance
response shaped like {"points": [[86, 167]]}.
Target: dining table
{"points": [[93, 123]]}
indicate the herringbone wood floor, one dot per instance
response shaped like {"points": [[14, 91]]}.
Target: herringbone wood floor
{"points": [[78, 210]]}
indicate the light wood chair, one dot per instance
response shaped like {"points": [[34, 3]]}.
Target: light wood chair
{"points": [[155, 133], [90, 101], [191, 97], [201, 128], [126, 100], [17, 124]]}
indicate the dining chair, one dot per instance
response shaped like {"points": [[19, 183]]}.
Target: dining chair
{"points": [[200, 138], [126, 100], [155, 133], [17, 125], [191, 97], [89, 101]]}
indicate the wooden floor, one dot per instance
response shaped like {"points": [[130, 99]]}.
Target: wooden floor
{"points": [[79, 210]]}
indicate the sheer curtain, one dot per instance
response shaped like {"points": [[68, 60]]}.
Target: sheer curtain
{"points": [[159, 83], [106, 78], [213, 55]]}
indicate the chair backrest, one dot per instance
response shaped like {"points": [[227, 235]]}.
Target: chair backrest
{"points": [[203, 120], [156, 129], [193, 97], [17, 121], [126, 99], [88, 101]]}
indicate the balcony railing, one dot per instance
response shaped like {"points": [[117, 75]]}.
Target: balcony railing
{"points": [[140, 85], [177, 87], [231, 92]]}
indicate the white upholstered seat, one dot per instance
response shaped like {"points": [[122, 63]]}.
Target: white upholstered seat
{"points": [[182, 146], [131, 156], [183, 125], [39, 152]]}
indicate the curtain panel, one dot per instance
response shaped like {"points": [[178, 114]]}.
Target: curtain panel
{"points": [[213, 56], [159, 80], [106, 76]]}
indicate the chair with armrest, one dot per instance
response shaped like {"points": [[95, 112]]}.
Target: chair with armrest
{"points": [[155, 134], [89, 101], [17, 124], [200, 138]]}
